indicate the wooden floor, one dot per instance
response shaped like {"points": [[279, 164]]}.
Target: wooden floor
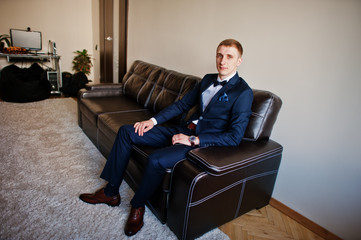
{"points": [[266, 223]]}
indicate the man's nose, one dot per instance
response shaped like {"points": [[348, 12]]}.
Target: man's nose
{"points": [[223, 60]]}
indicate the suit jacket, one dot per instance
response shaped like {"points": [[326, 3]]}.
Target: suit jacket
{"points": [[224, 120]]}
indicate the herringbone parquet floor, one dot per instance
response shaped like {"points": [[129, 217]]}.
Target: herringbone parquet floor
{"points": [[265, 224]]}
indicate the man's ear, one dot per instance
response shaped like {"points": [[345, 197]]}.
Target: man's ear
{"points": [[239, 61]]}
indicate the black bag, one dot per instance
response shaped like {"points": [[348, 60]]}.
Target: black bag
{"points": [[73, 83], [24, 84]]}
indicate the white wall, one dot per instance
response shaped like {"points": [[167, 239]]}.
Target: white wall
{"points": [[69, 23], [307, 52]]}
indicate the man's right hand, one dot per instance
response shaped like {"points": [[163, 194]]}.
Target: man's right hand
{"points": [[143, 127]]}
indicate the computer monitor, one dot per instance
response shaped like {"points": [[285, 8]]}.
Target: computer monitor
{"points": [[30, 40]]}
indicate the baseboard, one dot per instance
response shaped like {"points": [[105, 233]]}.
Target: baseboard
{"points": [[307, 223]]}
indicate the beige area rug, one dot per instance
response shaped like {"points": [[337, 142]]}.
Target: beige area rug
{"points": [[46, 161]]}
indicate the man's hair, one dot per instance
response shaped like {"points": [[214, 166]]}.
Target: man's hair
{"points": [[232, 43]]}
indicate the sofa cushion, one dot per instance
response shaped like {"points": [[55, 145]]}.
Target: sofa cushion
{"points": [[109, 123], [265, 108], [92, 107]]}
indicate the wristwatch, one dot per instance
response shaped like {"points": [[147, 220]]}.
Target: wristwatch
{"points": [[192, 139]]}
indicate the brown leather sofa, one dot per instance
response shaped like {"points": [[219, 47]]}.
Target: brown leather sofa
{"points": [[215, 184]]}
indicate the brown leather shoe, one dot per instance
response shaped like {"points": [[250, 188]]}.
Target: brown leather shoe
{"points": [[100, 197], [135, 221]]}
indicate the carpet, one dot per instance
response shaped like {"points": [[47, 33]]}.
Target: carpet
{"points": [[46, 161]]}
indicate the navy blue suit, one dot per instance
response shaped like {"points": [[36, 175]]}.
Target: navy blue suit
{"points": [[222, 123]]}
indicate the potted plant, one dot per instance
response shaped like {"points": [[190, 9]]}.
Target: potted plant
{"points": [[4, 38], [82, 62]]}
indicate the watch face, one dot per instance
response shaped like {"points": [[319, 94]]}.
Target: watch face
{"points": [[192, 139]]}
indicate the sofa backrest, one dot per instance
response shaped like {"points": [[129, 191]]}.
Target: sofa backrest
{"points": [[139, 81], [155, 87], [265, 109], [169, 88]]}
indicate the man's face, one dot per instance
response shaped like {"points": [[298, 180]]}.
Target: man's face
{"points": [[227, 59]]}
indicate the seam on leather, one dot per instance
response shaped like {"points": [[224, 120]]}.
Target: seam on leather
{"points": [[91, 111], [189, 204], [264, 118], [262, 157], [97, 137], [247, 165], [250, 139], [275, 150], [125, 111], [153, 87], [190, 194], [240, 200], [162, 88], [257, 115], [244, 180], [141, 88], [171, 179], [146, 80], [181, 88], [131, 73], [88, 119], [106, 124]]}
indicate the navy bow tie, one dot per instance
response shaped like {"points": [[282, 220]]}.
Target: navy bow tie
{"points": [[216, 83]]}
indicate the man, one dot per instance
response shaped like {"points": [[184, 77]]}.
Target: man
{"points": [[225, 107]]}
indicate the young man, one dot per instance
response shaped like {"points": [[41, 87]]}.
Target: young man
{"points": [[225, 102]]}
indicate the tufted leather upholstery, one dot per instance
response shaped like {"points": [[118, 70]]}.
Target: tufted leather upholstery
{"points": [[169, 89], [140, 80], [265, 108], [215, 184]]}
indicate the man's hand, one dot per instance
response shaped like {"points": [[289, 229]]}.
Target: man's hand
{"points": [[143, 127], [183, 139]]}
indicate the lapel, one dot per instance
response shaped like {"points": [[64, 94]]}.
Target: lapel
{"points": [[205, 86], [228, 86], [209, 82]]}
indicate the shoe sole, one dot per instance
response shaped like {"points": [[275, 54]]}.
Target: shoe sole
{"points": [[132, 234], [111, 205]]}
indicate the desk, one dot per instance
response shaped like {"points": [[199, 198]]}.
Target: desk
{"points": [[53, 73]]}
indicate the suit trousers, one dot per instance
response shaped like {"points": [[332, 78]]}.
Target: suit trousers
{"points": [[166, 156]]}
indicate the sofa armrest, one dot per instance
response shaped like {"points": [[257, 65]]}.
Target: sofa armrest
{"points": [[101, 90], [222, 160], [217, 184], [104, 86]]}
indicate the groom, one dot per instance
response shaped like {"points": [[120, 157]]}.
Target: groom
{"points": [[225, 102]]}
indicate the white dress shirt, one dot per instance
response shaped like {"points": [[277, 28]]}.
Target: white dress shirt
{"points": [[209, 93]]}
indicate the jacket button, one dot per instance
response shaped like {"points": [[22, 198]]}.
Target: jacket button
{"points": [[200, 118]]}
